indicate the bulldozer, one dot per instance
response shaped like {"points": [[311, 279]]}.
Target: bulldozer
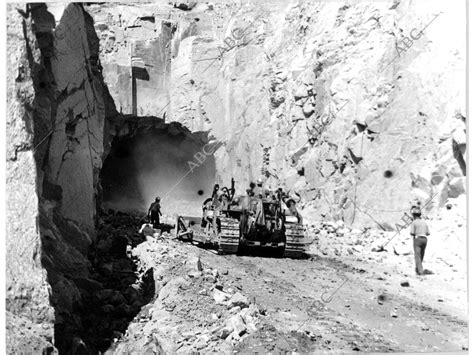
{"points": [[234, 224]]}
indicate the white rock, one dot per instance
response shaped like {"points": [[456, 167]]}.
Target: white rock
{"points": [[234, 310], [224, 332], [237, 324], [308, 108], [194, 263], [456, 187], [300, 92], [220, 297], [195, 274], [146, 229], [239, 300]]}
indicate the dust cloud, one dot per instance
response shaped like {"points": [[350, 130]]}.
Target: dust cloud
{"points": [[158, 163]]}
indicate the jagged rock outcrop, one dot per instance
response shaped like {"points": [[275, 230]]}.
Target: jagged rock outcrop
{"points": [[57, 109], [76, 145], [327, 99], [29, 316]]}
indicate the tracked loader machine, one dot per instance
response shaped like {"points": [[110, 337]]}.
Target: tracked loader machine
{"points": [[236, 223]]}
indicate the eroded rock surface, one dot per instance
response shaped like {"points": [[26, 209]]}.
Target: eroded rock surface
{"points": [[321, 98], [29, 315]]}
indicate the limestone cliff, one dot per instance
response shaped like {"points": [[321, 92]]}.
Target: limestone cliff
{"points": [[349, 105]]}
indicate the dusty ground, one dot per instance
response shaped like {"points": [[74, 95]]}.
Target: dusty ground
{"points": [[370, 310]]}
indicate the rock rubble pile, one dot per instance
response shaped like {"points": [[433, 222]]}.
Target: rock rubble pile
{"points": [[194, 307]]}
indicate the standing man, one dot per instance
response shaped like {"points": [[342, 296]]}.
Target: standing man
{"points": [[291, 204], [259, 190], [259, 193], [154, 213], [420, 231]]}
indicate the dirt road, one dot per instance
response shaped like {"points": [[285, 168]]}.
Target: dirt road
{"points": [[358, 318], [370, 310]]}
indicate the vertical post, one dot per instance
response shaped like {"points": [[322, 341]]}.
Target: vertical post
{"points": [[134, 84], [134, 95]]}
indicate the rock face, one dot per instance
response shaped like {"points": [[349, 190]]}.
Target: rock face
{"points": [[30, 318], [76, 146], [325, 99], [328, 100], [57, 109]]}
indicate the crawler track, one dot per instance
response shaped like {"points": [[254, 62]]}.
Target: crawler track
{"points": [[294, 240], [229, 237]]}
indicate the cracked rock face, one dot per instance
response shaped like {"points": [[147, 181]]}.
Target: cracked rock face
{"points": [[322, 98], [76, 146], [57, 109], [29, 316], [325, 99]]}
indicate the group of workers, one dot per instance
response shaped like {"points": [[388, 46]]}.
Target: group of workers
{"points": [[222, 198], [255, 195]]}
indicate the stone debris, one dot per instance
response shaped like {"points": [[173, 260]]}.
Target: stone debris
{"points": [[194, 263], [147, 230], [195, 274], [381, 298], [207, 309], [239, 300], [234, 310], [220, 297], [237, 324]]}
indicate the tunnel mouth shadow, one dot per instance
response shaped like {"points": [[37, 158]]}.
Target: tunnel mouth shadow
{"points": [[108, 296], [166, 161]]}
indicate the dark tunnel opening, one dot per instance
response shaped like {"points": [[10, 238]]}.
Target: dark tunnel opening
{"points": [[168, 162]]}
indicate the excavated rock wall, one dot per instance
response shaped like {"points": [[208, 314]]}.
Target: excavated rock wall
{"points": [[57, 107], [29, 316], [326, 98]]}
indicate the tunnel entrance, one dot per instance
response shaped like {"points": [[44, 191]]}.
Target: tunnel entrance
{"points": [[166, 162]]}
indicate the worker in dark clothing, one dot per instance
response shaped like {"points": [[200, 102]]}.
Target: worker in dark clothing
{"points": [[420, 232], [259, 192], [216, 194], [154, 213]]}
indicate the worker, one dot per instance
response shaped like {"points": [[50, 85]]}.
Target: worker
{"points": [[291, 204], [216, 194], [154, 213], [420, 231], [224, 199], [259, 190], [206, 211], [245, 200]]}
